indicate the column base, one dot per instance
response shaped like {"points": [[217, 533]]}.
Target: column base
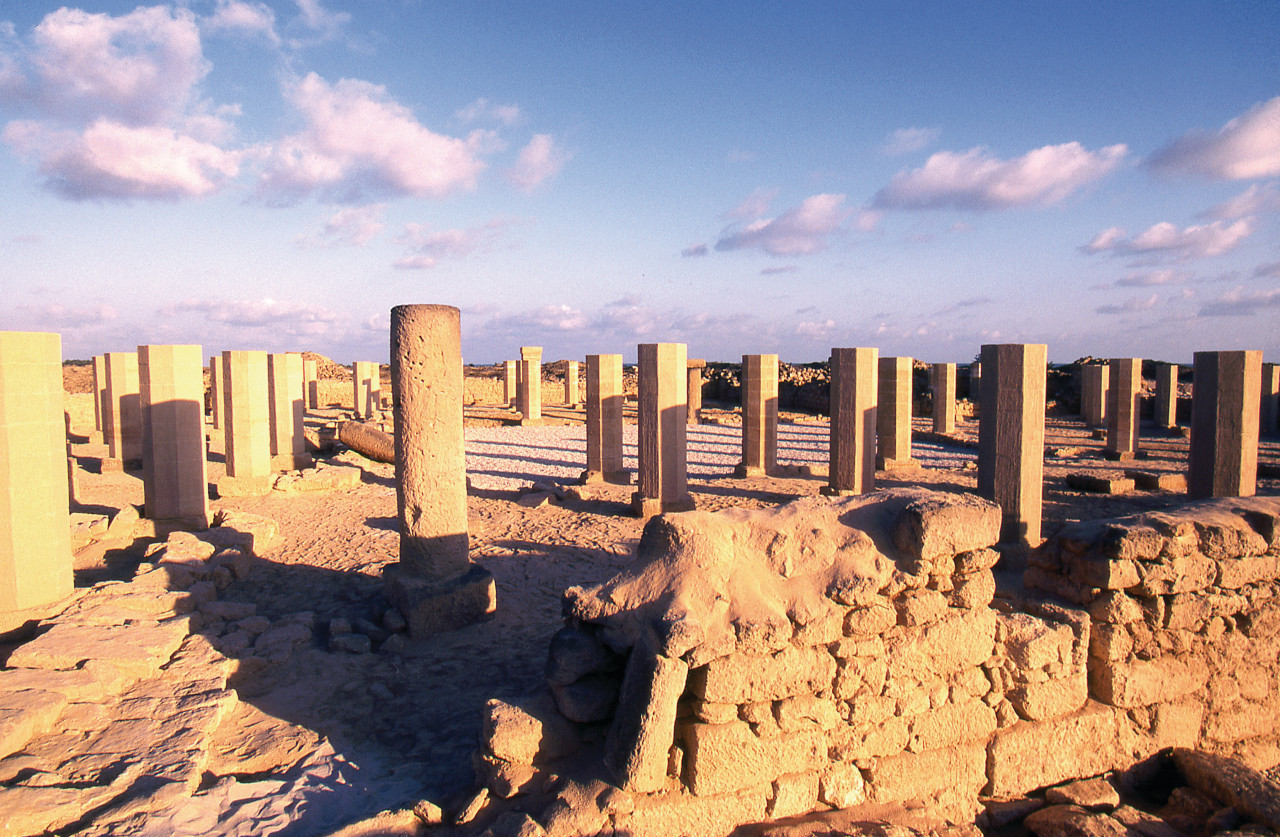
{"points": [[1120, 455], [245, 486], [744, 470], [622, 477], [829, 491], [435, 606], [165, 525], [532, 422], [291, 461], [646, 507], [885, 464], [111, 465]]}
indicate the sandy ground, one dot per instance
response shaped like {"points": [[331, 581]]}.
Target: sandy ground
{"points": [[419, 711]]}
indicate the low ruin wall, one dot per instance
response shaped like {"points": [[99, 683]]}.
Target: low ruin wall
{"points": [[754, 665]]}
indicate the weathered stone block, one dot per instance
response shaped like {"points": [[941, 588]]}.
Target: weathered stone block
{"points": [[842, 786], [794, 795], [919, 776], [951, 724], [526, 734], [1143, 682], [806, 712], [743, 678], [936, 528], [1031, 755], [644, 724], [1094, 570], [723, 758], [1050, 698]]}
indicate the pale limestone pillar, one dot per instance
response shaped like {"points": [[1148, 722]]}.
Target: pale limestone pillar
{"points": [[1011, 437], [1123, 399], [284, 380], [311, 384], [435, 585], [246, 413], [175, 483], [123, 418], [605, 401], [1166, 410], [531, 390], [510, 382], [529, 353], [1223, 460], [693, 397], [215, 391], [99, 389], [943, 382], [35, 544], [367, 388], [663, 479], [854, 385], [893, 415], [1269, 413], [1094, 385], [571, 384], [759, 388]]}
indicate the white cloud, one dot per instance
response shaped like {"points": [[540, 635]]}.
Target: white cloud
{"points": [[354, 226], [484, 110], [358, 142], [1165, 238], [906, 140], [815, 329], [1240, 303], [293, 318], [753, 206], [1131, 305], [540, 160], [799, 231], [1246, 147], [1150, 278], [320, 20], [1257, 199], [249, 18], [695, 251], [426, 248], [976, 180], [55, 315]]}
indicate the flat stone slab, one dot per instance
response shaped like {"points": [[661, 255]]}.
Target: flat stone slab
{"points": [[1105, 482], [138, 648], [1153, 481]]}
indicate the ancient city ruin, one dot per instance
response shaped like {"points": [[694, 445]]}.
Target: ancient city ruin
{"points": [[275, 594]]}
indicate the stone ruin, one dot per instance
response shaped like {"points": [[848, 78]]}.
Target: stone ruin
{"points": [[828, 654]]}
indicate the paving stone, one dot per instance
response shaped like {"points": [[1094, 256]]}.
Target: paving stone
{"points": [[1156, 481], [138, 648], [25, 714], [1104, 482]]}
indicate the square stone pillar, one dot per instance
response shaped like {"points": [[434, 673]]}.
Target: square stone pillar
{"points": [[246, 411], [693, 403], [759, 387], [975, 384], [215, 392], [435, 585], [311, 384], [893, 415], [530, 389], [1123, 399], [510, 382], [571, 383], [1166, 411], [942, 379], [367, 385], [99, 389], [35, 544], [122, 421], [288, 445], [1223, 460], [1269, 414], [604, 421], [854, 384], [1094, 384], [175, 485], [663, 481], [1011, 437]]}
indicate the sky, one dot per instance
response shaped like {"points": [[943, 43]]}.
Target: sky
{"points": [[747, 177]]}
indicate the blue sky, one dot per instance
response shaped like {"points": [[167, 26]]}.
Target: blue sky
{"points": [[586, 176]]}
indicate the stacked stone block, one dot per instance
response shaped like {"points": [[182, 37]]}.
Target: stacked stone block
{"points": [[1269, 410], [1095, 382], [529, 385], [759, 415], [216, 385], [99, 391], [288, 445], [366, 388], [1223, 456], [893, 415], [174, 481], [943, 382], [662, 483], [1166, 406], [853, 422], [1123, 414], [604, 420], [571, 398], [122, 420], [311, 384], [510, 382], [694, 405], [1011, 437], [247, 414]]}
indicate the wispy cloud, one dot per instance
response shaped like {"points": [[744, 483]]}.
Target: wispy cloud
{"points": [[539, 161], [1267, 271], [802, 230], [1166, 239], [482, 110], [906, 140], [1257, 199], [320, 24], [353, 226], [1241, 303], [815, 330], [968, 302], [253, 315], [977, 180], [1152, 278], [1247, 147], [1131, 305], [426, 247], [778, 270], [244, 18], [753, 206], [695, 251]]}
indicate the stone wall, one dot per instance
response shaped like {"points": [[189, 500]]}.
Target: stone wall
{"points": [[754, 665]]}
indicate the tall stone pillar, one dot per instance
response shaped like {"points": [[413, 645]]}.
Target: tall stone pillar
{"points": [[288, 445], [693, 397], [99, 389], [1123, 399], [1223, 461], [975, 384], [1166, 411], [943, 382], [435, 585], [854, 375], [1011, 437], [530, 388], [311, 384], [1269, 413], [571, 383], [246, 412], [604, 421], [122, 425], [367, 384], [175, 485], [663, 479], [215, 391], [35, 544], [759, 387], [1094, 385], [510, 382], [893, 415]]}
